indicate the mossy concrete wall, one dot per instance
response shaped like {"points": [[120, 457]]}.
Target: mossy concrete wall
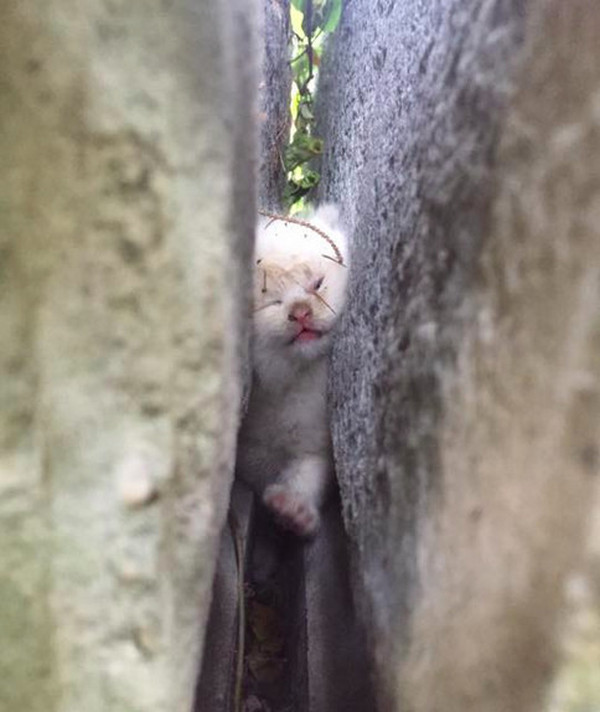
{"points": [[126, 218], [463, 145]]}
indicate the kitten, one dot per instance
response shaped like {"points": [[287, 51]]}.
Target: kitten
{"points": [[299, 292]]}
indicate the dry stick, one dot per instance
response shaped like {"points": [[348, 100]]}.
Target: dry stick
{"points": [[238, 540], [305, 223], [314, 293], [308, 18], [323, 301]]}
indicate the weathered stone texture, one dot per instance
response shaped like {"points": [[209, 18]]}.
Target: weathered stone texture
{"points": [[127, 148], [577, 683], [463, 145], [274, 95]]}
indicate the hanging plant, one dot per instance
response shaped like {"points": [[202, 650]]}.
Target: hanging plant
{"points": [[311, 22]]}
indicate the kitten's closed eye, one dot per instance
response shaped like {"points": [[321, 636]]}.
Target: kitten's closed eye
{"points": [[274, 303], [318, 284]]}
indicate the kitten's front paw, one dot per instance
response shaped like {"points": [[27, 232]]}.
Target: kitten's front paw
{"points": [[292, 510]]}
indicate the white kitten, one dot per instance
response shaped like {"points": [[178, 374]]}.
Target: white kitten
{"points": [[299, 292]]}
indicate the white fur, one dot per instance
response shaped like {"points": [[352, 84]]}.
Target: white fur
{"points": [[284, 447]]}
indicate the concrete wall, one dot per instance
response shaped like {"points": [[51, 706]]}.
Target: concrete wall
{"points": [[462, 143], [127, 212], [275, 88]]}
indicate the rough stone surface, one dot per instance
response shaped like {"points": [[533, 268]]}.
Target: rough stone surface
{"points": [[274, 96], [463, 143], [338, 671], [216, 683], [127, 210], [576, 686]]}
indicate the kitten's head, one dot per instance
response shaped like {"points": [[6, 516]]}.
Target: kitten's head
{"points": [[299, 285]]}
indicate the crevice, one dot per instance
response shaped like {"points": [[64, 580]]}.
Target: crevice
{"points": [[305, 651]]}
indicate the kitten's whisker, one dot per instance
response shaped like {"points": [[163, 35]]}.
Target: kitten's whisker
{"points": [[323, 301], [318, 296], [264, 287], [296, 281]]}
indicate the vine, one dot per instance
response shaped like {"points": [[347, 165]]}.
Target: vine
{"points": [[312, 21]]}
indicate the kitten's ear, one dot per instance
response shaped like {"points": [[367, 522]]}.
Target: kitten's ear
{"points": [[261, 223], [329, 215]]}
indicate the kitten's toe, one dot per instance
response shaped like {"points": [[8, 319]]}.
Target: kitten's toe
{"points": [[292, 510]]}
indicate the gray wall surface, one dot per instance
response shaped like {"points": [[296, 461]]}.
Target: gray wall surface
{"points": [[275, 88], [127, 142], [462, 144]]}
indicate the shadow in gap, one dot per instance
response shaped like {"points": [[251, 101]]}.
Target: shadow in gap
{"points": [[304, 650]]}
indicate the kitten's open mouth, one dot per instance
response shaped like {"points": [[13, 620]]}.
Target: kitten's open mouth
{"points": [[307, 335]]}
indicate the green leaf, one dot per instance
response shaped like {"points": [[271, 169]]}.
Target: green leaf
{"points": [[298, 207], [332, 13], [296, 19], [293, 193], [316, 146], [306, 112], [302, 149], [312, 21], [309, 179], [301, 70]]}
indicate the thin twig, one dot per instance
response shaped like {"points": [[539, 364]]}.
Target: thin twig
{"points": [[305, 223], [327, 257], [238, 540], [308, 16], [315, 294], [323, 301], [297, 57]]}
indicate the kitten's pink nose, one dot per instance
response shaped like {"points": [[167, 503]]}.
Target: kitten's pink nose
{"points": [[300, 313]]}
